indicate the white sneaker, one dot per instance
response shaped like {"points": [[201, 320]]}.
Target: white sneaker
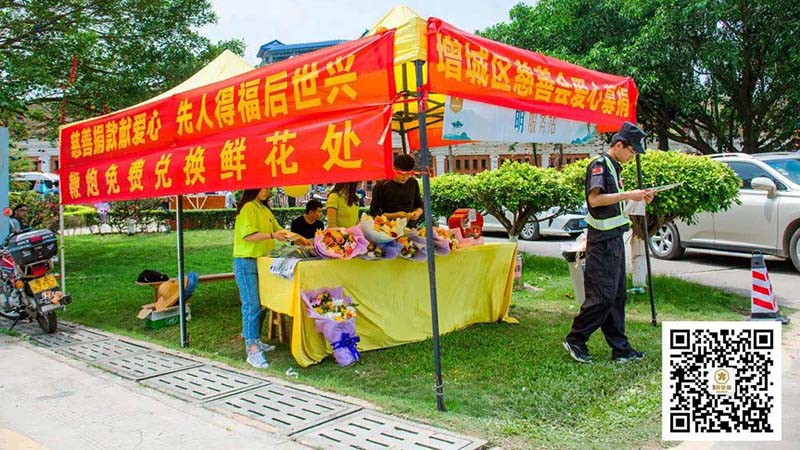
{"points": [[264, 347], [257, 360]]}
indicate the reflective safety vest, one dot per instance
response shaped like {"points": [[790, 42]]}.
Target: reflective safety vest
{"points": [[615, 221]]}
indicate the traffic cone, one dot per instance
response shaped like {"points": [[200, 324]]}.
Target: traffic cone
{"points": [[763, 304]]}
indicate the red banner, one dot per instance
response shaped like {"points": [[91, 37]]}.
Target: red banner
{"points": [[468, 66], [345, 146], [351, 75]]}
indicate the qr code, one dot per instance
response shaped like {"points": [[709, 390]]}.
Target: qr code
{"points": [[721, 381]]}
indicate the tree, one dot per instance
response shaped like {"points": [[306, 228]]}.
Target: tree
{"points": [[523, 190], [718, 75], [450, 192], [91, 57]]}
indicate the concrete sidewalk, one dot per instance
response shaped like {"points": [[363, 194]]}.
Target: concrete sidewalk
{"points": [[52, 402]]}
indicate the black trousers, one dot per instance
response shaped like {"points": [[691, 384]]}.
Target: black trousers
{"points": [[606, 294]]}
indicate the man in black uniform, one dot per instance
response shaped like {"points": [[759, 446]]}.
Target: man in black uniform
{"points": [[604, 275], [400, 196]]}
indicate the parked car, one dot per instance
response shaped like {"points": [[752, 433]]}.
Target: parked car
{"points": [[43, 183], [768, 220], [553, 222]]}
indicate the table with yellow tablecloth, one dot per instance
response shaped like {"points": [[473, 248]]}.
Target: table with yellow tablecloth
{"points": [[473, 285]]}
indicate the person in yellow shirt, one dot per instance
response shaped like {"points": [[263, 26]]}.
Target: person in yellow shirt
{"points": [[342, 205], [255, 231]]}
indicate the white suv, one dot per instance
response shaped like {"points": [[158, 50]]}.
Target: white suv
{"points": [[768, 219]]}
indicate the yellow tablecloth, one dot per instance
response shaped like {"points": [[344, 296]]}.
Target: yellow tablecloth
{"points": [[473, 285]]}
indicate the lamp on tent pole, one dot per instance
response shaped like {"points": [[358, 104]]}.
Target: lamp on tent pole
{"points": [[181, 283], [646, 245], [426, 189]]}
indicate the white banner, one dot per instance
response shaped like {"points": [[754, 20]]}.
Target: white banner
{"points": [[475, 121]]}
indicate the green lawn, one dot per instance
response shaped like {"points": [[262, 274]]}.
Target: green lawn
{"points": [[511, 384]]}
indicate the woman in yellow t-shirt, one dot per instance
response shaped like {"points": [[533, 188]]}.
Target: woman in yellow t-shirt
{"points": [[342, 205], [254, 233]]}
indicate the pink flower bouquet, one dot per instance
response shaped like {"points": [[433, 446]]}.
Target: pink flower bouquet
{"points": [[340, 243], [334, 315]]}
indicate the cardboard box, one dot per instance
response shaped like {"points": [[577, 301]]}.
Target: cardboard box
{"points": [[168, 317]]}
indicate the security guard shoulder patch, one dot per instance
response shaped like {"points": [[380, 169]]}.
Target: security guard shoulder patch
{"points": [[597, 170]]}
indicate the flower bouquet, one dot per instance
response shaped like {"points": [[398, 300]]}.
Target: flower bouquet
{"points": [[464, 242], [380, 229], [442, 240], [389, 250], [340, 243], [412, 248], [334, 315]]}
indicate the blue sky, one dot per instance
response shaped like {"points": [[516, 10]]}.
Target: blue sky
{"points": [[294, 21]]}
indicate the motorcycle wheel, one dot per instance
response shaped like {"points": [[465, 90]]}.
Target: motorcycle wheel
{"points": [[48, 322]]}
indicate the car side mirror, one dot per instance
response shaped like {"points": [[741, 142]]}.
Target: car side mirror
{"points": [[764, 184]]}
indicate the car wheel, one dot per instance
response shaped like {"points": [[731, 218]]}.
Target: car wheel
{"points": [[665, 242], [530, 232], [794, 248]]}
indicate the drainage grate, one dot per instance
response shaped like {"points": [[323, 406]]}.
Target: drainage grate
{"points": [[284, 407], [368, 430], [93, 351], [146, 365], [67, 337], [202, 383], [25, 327]]}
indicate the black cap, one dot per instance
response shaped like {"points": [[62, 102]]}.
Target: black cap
{"points": [[633, 135]]}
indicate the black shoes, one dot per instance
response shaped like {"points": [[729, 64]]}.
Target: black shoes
{"points": [[632, 355], [578, 353]]}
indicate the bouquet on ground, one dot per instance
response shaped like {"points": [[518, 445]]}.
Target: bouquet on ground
{"points": [[340, 243], [334, 315], [380, 229], [389, 250], [443, 241], [412, 247]]}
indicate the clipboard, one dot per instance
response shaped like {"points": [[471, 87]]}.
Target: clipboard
{"points": [[664, 187]]}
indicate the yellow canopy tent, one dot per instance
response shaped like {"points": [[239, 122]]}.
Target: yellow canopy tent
{"points": [[410, 44]]}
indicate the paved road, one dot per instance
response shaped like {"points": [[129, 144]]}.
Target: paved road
{"points": [[50, 402], [725, 271]]}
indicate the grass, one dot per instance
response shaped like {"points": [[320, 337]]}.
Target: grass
{"points": [[511, 384]]}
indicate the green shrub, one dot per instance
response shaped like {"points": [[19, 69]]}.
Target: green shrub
{"points": [[450, 192], [706, 185], [523, 190]]}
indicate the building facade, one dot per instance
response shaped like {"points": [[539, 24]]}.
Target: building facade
{"points": [[276, 50]]}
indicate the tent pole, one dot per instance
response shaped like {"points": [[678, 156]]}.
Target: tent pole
{"points": [[426, 189], [61, 237], [646, 246], [181, 282]]}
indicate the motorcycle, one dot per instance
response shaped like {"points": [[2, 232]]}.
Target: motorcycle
{"points": [[28, 289]]}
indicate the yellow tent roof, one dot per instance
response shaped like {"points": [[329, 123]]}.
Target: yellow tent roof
{"points": [[226, 65], [409, 42]]}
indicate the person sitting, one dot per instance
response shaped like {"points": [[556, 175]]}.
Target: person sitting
{"points": [[308, 224], [399, 197], [342, 205], [17, 222]]}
